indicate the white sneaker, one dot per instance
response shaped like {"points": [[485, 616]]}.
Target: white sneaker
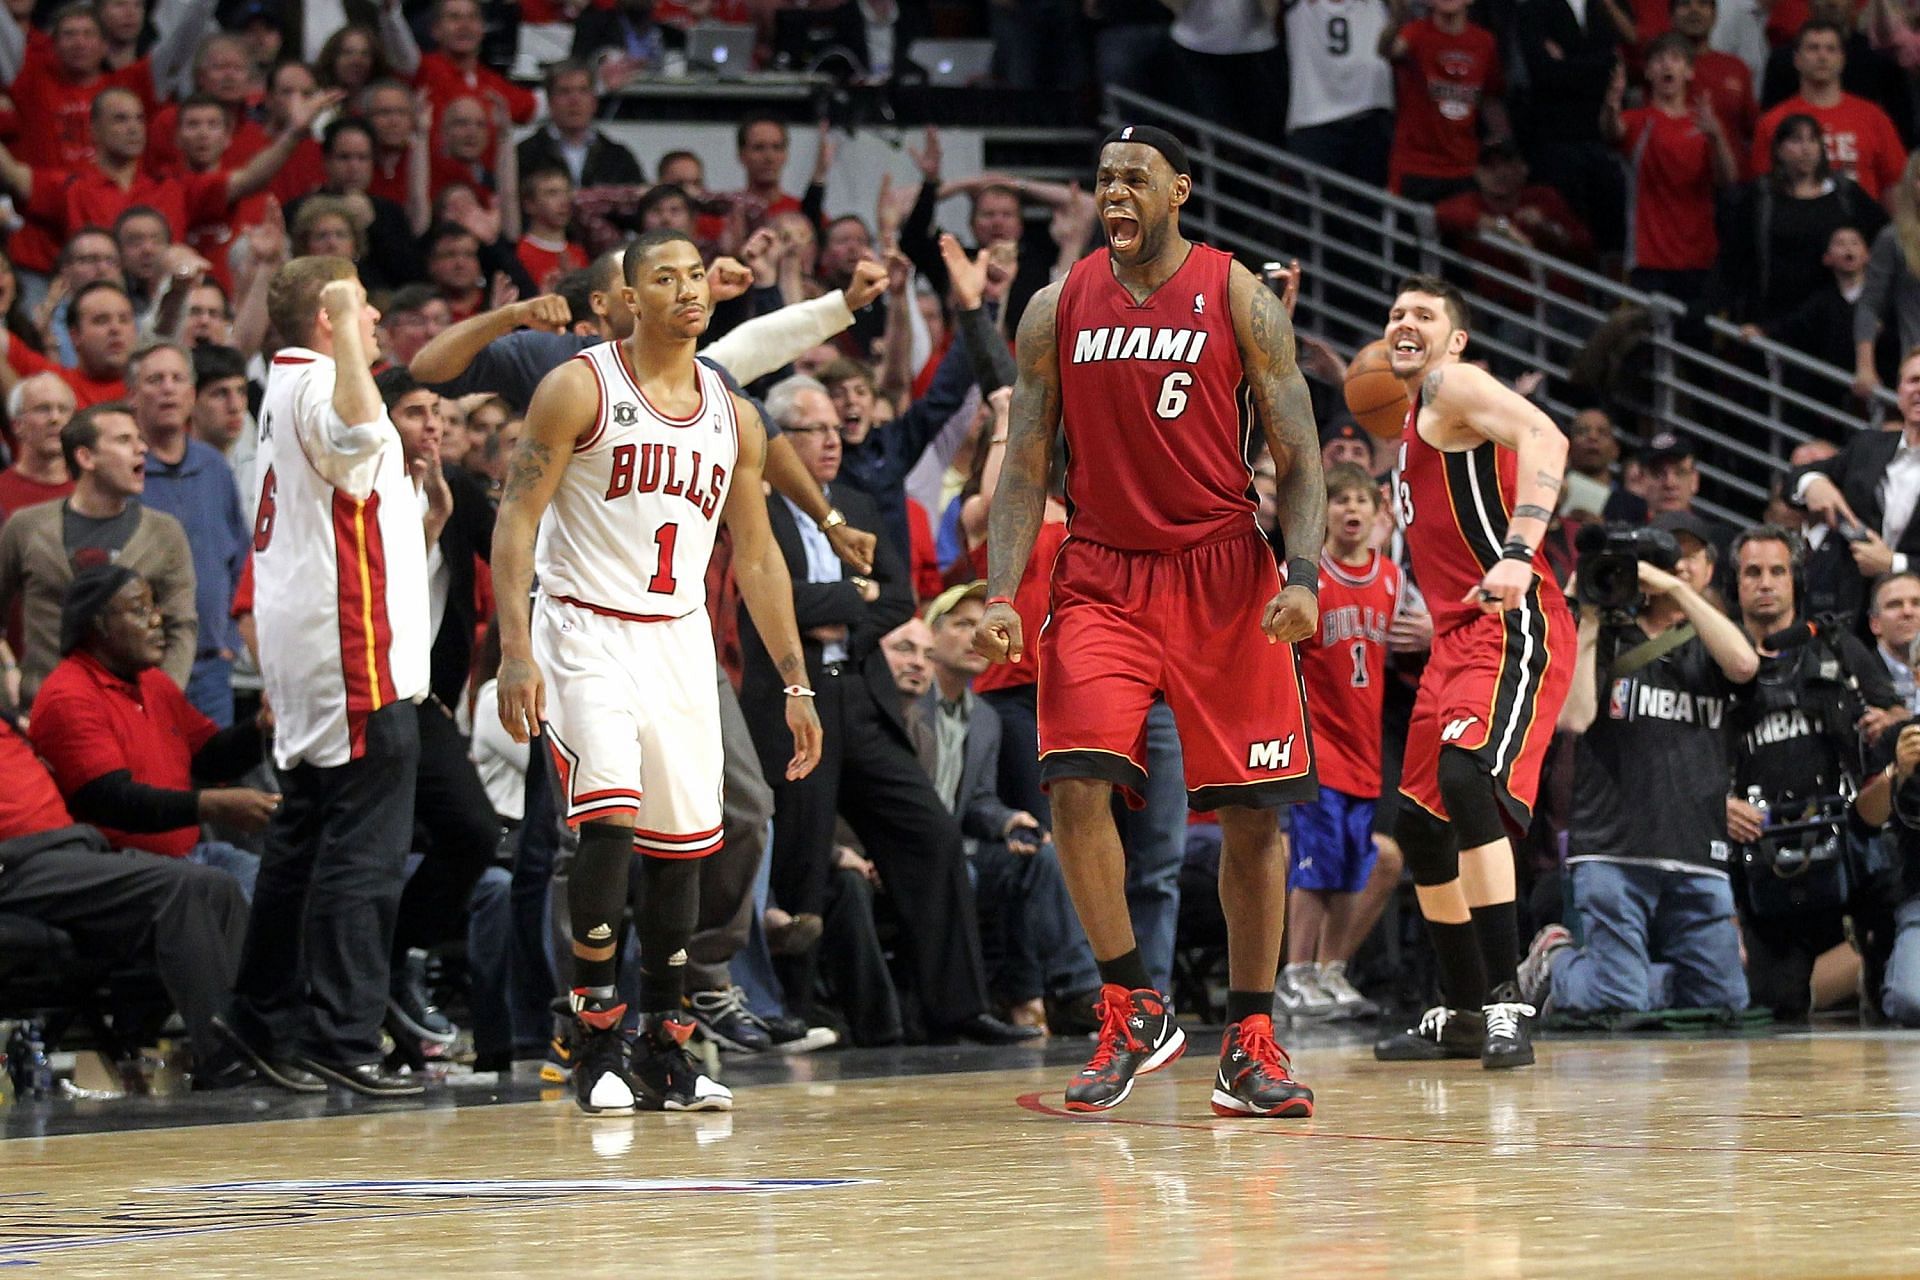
{"points": [[1348, 1003], [1299, 994]]}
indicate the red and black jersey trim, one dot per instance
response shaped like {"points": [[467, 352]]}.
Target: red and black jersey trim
{"points": [[1479, 506]]}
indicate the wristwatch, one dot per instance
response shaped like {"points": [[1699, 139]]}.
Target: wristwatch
{"points": [[832, 520]]}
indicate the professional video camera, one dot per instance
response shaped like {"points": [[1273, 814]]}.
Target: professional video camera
{"points": [[1609, 567]]}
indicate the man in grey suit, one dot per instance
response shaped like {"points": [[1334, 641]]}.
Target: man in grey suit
{"points": [[1046, 967]]}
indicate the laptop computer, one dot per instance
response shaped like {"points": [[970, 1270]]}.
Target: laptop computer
{"points": [[952, 63], [726, 49]]}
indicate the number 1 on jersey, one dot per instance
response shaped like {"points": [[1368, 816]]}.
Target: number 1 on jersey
{"points": [[663, 538]]}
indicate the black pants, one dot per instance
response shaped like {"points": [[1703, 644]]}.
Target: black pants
{"points": [[128, 905], [868, 773], [454, 829], [853, 965], [313, 977]]}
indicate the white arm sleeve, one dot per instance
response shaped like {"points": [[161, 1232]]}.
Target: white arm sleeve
{"points": [[182, 25], [347, 454], [13, 46], [763, 344], [403, 51]]}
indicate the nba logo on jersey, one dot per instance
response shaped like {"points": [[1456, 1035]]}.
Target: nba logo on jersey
{"points": [[1199, 304], [1620, 700]]}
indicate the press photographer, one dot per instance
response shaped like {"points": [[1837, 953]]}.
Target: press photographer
{"points": [[1647, 845], [1900, 992], [1806, 799]]}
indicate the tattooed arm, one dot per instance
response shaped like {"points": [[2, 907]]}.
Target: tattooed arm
{"points": [[1473, 406], [1020, 501], [767, 588], [1265, 337], [563, 408]]}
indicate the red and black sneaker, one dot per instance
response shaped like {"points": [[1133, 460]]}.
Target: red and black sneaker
{"points": [[1255, 1077], [601, 1083], [1137, 1035]]}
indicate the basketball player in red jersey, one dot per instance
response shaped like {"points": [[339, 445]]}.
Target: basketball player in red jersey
{"points": [[1164, 586], [1479, 476]]}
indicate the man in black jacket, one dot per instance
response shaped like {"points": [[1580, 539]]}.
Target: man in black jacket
{"points": [[567, 139], [867, 767]]}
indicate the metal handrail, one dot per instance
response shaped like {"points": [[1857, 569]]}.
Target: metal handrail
{"points": [[1355, 239]]}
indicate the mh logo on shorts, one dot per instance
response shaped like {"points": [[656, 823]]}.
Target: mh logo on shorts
{"points": [[1275, 753], [1457, 729]]}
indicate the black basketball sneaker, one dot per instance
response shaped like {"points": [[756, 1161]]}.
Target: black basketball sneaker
{"points": [[669, 1078], [1256, 1076], [601, 1083], [1509, 1019], [1137, 1035], [1440, 1033]]}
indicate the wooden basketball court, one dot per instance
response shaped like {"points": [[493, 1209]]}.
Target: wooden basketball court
{"points": [[1780, 1156]]}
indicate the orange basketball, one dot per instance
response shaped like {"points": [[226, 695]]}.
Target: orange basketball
{"points": [[1376, 399]]}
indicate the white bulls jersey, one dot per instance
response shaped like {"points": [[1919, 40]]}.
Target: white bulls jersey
{"points": [[631, 527], [339, 565], [1334, 62]]}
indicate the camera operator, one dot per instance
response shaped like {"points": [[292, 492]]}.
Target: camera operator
{"points": [[1648, 842], [1806, 801], [1900, 992]]}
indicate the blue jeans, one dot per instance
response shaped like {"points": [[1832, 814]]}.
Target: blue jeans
{"points": [[1632, 915], [1023, 898], [489, 959], [1900, 995], [1155, 839], [210, 688], [241, 865]]}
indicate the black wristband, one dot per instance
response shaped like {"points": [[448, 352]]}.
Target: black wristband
{"points": [[1517, 550], [1302, 572], [1532, 510]]}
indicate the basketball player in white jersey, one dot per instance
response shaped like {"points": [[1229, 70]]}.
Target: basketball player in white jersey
{"points": [[340, 582], [633, 454]]}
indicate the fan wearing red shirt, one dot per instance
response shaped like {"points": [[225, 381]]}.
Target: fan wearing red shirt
{"points": [[222, 71], [1447, 78], [100, 320], [124, 743], [53, 97], [761, 144], [1862, 143], [1677, 155], [1345, 669], [546, 206], [203, 137], [1724, 80], [38, 407], [453, 70]]}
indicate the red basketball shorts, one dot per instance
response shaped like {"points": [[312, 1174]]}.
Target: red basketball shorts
{"points": [[1126, 626], [1493, 687]]}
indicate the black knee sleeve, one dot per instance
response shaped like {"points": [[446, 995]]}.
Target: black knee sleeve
{"points": [[1427, 845], [667, 913], [597, 899], [1467, 789]]}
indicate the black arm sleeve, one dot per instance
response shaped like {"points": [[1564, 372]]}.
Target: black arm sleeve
{"points": [[116, 800], [917, 239], [993, 365], [813, 205], [228, 754]]}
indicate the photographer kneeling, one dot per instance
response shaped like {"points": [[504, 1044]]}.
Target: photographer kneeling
{"points": [[1810, 735], [1648, 840], [1900, 993]]}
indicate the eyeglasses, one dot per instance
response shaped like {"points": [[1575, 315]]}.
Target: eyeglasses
{"points": [[95, 259], [805, 431]]}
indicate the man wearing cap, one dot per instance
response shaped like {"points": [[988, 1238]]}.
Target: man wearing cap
{"points": [[1648, 856], [1342, 440], [1867, 492], [1015, 869], [125, 745]]}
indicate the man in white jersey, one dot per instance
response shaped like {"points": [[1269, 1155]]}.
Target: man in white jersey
{"points": [[632, 456], [340, 601], [1340, 90]]}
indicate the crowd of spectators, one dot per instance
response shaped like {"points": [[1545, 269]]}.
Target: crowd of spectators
{"points": [[162, 174]]}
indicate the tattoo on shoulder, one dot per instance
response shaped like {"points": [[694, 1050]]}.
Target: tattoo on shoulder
{"points": [[1431, 387], [1269, 329], [531, 458]]}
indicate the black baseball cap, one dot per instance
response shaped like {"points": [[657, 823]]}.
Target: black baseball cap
{"points": [[1693, 526], [1343, 429], [1666, 446]]}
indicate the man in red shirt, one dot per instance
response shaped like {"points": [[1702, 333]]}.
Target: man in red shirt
{"points": [[1677, 156], [100, 322], [293, 103], [453, 267], [38, 407], [126, 746], [113, 182], [453, 69], [187, 921], [762, 147], [1502, 207], [222, 71], [1724, 80], [1862, 143], [1446, 76], [387, 107], [546, 206]]}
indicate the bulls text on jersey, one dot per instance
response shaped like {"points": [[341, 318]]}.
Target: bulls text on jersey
{"points": [[1354, 622], [670, 470]]}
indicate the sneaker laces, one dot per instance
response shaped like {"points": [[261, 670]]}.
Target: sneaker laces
{"points": [[1503, 1020], [721, 1004], [1433, 1023], [1257, 1042], [1114, 1008], [1334, 982]]}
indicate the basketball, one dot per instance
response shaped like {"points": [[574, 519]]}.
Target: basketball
{"points": [[1377, 399]]}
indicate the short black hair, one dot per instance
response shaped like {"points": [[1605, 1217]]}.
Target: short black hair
{"points": [[565, 67], [141, 211], [345, 124], [215, 363], [577, 288], [396, 383], [443, 231], [658, 196], [1812, 25], [86, 291], [638, 246], [83, 431], [1446, 291], [410, 297], [746, 126]]}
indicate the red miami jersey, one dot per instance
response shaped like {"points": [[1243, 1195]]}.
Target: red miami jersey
{"points": [[1151, 402], [1453, 507], [1345, 668]]}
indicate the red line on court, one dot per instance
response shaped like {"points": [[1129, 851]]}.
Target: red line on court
{"points": [[1031, 1102]]}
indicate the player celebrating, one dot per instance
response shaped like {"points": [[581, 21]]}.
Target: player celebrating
{"points": [[1164, 586], [1479, 474], [632, 454]]}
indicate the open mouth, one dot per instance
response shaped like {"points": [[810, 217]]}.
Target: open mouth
{"points": [[1123, 229], [1407, 347], [1352, 526]]}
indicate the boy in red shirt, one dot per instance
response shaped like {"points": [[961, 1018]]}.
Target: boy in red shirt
{"points": [[1677, 155], [1722, 79], [1862, 143], [1446, 76], [1330, 909], [546, 205]]}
